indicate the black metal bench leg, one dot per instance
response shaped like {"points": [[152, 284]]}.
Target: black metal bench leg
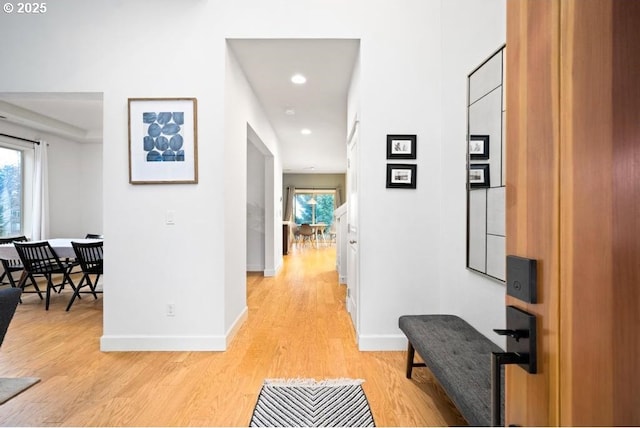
{"points": [[410, 354]]}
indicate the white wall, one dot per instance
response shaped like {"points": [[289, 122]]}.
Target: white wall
{"points": [[244, 119], [255, 209], [412, 251], [400, 84], [91, 192], [471, 38], [66, 188], [104, 46]]}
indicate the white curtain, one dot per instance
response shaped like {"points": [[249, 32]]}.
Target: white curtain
{"points": [[40, 223], [338, 197], [288, 207]]}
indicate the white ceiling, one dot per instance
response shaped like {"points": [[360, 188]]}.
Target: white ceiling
{"points": [[320, 105], [73, 115]]}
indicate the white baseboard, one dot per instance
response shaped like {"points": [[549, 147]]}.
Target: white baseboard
{"points": [[272, 272], [233, 330], [139, 343], [255, 268], [351, 304], [136, 343], [382, 342]]}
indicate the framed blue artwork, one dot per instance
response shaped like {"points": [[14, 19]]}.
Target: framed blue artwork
{"points": [[163, 141]]}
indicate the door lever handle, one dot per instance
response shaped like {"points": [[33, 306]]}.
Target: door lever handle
{"points": [[352, 242], [521, 350], [499, 359], [516, 334]]}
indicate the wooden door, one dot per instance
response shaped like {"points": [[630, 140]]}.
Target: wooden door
{"points": [[573, 203], [533, 210], [600, 216]]}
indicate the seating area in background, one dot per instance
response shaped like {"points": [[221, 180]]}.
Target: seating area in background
{"points": [[312, 234], [48, 266]]}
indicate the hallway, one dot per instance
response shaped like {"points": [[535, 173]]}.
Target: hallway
{"points": [[302, 329], [297, 327]]}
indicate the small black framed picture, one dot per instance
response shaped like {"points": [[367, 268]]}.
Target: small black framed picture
{"points": [[401, 176], [478, 147], [401, 147], [479, 175]]}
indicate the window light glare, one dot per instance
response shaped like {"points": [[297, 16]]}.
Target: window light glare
{"points": [[305, 131], [298, 79]]}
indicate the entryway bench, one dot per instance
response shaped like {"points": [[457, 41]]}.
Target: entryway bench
{"points": [[459, 357]]}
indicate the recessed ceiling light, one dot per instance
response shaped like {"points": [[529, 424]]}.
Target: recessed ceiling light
{"points": [[305, 131], [290, 112], [298, 79]]}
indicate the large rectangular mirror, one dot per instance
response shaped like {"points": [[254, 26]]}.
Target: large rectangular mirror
{"points": [[486, 237]]}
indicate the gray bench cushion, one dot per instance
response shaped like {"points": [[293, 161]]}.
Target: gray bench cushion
{"points": [[459, 357]]}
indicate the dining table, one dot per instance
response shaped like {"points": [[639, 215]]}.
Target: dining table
{"points": [[318, 229], [62, 247]]}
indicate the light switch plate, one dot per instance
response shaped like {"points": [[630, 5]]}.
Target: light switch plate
{"points": [[170, 217]]}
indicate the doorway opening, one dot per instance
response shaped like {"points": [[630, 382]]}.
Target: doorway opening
{"points": [[304, 125], [260, 206]]}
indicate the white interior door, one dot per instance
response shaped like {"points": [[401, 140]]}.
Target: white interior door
{"points": [[353, 262]]}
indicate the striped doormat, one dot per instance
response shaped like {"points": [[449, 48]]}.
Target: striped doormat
{"points": [[311, 403]]}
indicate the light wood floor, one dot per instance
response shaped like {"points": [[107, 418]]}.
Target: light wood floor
{"points": [[297, 327]]}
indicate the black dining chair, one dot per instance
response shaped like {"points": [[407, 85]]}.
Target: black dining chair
{"points": [[74, 263], [38, 258], [89, 256], [10, 266]]}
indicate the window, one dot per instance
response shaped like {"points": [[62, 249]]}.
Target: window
{"points": [[11, 192], [314, 206]]}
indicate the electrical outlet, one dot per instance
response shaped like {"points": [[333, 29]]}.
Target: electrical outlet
{"points": [[171, 310]]}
